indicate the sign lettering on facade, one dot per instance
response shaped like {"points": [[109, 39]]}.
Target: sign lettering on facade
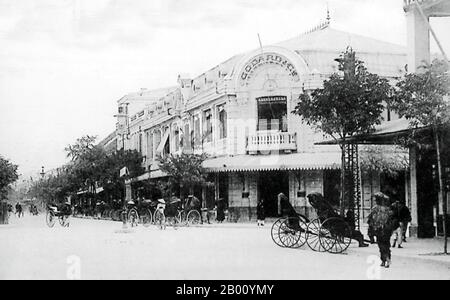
{"points": [[265, 59]]}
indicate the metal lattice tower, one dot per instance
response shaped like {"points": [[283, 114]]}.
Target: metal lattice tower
{"points": [[352, 200]]}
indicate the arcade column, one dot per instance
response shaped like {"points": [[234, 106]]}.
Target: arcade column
{"points": [[128, 191], [413, 181], [418, 40]]}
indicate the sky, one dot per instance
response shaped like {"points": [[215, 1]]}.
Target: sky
{"points": [[65, 63]]}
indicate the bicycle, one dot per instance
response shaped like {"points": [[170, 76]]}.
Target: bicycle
{"points": [[193, 217]]}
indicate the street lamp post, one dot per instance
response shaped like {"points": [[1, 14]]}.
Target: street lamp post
{"points": [[42, 179], [42, 173]]}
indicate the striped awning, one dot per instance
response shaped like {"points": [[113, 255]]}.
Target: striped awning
{"points": [[164, 140], [297, 161]]}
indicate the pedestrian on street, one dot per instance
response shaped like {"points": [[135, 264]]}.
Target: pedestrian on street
{"points": [[381, 220], [161, 207], [261, 213], [407, 220], [402, 216], [19, 210], [221, 207]]}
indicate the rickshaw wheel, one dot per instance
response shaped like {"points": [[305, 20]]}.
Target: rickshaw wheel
{"points": [[50, 219], [146, 218], [293, 233], [275, 232], [313, 236], [335, 235], [193, 218]]}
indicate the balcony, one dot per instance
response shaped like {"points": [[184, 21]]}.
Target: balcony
{"points": [[272, 141]]}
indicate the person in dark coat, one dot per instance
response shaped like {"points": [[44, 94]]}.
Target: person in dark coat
{"points": [[261, 213], [402, 216], [221, 207], [407, 219], [19, 210], [382, 221]]}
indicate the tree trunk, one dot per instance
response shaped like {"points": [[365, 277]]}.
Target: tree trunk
{"points": [[441, 188]]}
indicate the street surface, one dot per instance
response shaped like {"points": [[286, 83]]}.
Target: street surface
{"points": [[91, 249]]}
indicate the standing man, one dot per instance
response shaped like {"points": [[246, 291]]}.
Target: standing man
{"points": [[403, 216], [19, 211], [221, 207], [407, 220], [261, 213], [381, 219]]}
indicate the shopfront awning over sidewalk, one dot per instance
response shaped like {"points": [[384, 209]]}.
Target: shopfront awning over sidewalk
{"points": [[253, 163], [386, 134]]}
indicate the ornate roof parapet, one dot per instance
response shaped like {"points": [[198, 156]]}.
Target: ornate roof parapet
{"points": [[320, 26]]}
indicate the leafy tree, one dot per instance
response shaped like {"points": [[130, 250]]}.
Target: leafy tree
{"points": [[82, 146], [422, 98], [8, 175], [350, 103], [109, 177], [89, 167], [185, 170]]}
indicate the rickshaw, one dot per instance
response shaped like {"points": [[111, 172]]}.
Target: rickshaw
{"points": [[61, 213], [330, 232]]}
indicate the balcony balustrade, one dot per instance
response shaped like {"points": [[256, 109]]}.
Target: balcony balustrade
{"points": [[272, 141]]}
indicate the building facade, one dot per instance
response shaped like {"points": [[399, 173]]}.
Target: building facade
{"points": [[240, 114], [427, 213]]}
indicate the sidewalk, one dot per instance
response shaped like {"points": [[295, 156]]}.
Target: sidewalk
{"points": [[422, 249], [430, 249], [425, 249]]}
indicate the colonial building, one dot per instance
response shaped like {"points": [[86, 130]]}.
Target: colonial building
{"points": [[239, 112]]}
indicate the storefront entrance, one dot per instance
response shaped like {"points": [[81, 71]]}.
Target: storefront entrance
{"points": [[270, 184]]}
